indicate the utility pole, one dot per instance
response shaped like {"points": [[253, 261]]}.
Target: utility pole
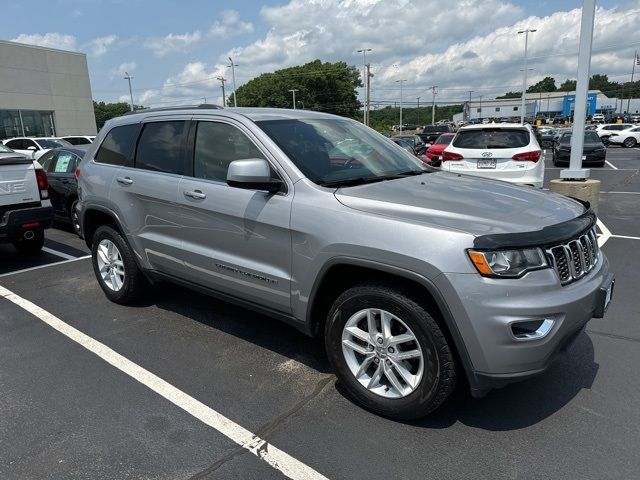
{"points": [[224, 99], [548, 116], [418, 112], [400, 82], [233, 78], [204, 99], [434, 91], [470, 92], [365, 80], [368, 95], [480, 116], [129, 78], [524, 74], [633, 71], [293, 92]]}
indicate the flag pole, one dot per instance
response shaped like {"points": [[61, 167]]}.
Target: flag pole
{"points": [[633, 71]]}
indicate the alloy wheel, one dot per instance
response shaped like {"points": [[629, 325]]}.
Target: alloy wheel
{"points": [[110, 265], [382, 353]]}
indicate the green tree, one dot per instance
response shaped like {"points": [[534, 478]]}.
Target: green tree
{"points": [[547, 84], [327, 87], [510, 95], [106, 111], [567, 86]]}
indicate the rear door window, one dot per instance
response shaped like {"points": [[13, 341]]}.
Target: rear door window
{"points": [[64, 163], [491, 138], [117, 147], [160, 147], [15, 144], [48, 161]]}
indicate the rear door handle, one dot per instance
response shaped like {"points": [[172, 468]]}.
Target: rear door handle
{"points": [[196, 194], [124, 180]]}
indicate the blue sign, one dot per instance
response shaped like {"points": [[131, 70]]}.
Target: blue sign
{"points": [[568, 104]]}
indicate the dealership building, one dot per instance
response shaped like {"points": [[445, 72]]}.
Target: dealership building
{"points": [[44, 92]]}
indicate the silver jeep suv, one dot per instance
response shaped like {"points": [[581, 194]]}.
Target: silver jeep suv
{"points": [[412, 277]]}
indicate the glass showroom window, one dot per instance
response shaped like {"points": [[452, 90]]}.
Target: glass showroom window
{"points": [[26, 123]]}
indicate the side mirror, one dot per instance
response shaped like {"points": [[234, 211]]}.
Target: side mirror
{"points": [[252, 174], [32, 148]]}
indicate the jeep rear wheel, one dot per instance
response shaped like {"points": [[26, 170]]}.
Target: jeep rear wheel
{"points": [[115, 267], [389, 352]]}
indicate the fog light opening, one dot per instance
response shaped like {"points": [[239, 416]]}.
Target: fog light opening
{"points": [[532, 329]]}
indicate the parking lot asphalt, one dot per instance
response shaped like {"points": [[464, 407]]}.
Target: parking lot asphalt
{"points": [[65, 412]]}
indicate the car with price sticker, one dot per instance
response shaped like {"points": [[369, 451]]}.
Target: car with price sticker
{"points": [[505, 151]]}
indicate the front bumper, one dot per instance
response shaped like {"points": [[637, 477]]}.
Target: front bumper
{"points": [[484, 310], [589, 158], [15, 223]]}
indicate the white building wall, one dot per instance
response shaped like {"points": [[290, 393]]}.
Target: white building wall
{"points": [[37, 78]]}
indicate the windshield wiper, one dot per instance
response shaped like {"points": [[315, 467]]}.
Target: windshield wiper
{"points": [[350, 182]]}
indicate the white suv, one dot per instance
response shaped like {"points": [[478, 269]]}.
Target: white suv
{"points": [[34, 147], [504, 151], [605, 131]]}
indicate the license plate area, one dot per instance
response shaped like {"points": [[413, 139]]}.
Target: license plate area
{"points": [[487, 163]]}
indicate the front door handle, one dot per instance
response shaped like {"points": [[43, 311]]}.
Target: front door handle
{"points": [[195, 194], [124, 180]]}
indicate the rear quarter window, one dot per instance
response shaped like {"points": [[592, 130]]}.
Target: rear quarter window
{"points": [[492, 138], [117, 147]]}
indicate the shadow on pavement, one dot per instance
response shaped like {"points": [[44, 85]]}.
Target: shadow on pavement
{"points": [[521, 405]]}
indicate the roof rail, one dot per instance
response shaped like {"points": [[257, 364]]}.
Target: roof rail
{"points": [[203, 106]]}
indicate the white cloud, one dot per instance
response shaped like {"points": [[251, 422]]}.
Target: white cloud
{"points": [[51, 40], [171, 43], [229, 25], [476, 48], [99, 46], [123, 69]]}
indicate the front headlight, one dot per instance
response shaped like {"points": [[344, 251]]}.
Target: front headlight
{"points": [[507, 263]]}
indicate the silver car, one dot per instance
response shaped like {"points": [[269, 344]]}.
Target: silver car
{"points": [[412, 277]]}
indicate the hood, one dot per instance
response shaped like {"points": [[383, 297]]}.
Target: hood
{"points": [[462, 202]]}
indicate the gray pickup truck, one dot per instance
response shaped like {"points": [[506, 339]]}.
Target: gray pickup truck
{"points": [[25, 209], [414, 278]]}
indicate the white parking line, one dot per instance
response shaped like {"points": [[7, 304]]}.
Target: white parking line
{"points": [[275, 457], [44, 266], [606, 234], [625, 236], [58, 254], [610, 164]]}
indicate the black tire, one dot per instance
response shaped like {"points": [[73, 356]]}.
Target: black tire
{"points": [[31, 246], [630, 142], [73, 217], [135, 285], [439, 370]]}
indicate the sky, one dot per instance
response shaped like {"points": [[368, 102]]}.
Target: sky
{"points": [[175, 50]]}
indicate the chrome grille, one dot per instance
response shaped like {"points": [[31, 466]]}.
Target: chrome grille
{"points": [[575, 258]]}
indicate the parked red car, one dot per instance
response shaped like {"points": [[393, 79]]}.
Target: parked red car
{"points": [[434, 152]]}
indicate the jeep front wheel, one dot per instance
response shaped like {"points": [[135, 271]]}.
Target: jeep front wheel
{"points": [[389, 352]]}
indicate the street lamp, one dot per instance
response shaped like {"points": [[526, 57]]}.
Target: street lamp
{"points": [[400, 82], [128, 78], [524, 75], [364, 80], [233, 76], [293, 92]]}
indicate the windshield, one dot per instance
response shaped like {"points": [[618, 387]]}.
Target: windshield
{"points": [[334, 150], [47, 143], [488, 138], [446, 139], [589, 137]]}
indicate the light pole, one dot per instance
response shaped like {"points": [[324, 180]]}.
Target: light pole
{"points": [[128, 78], [364, 81], [433, 104], [224, 99], [480, 108], [400, 82], [233, 77], [524, 74], [470, 92], [293, 92], [418, 112]]}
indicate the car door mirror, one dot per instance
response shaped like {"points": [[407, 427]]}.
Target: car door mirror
{"points": [[252, 174], [32, 148]]}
